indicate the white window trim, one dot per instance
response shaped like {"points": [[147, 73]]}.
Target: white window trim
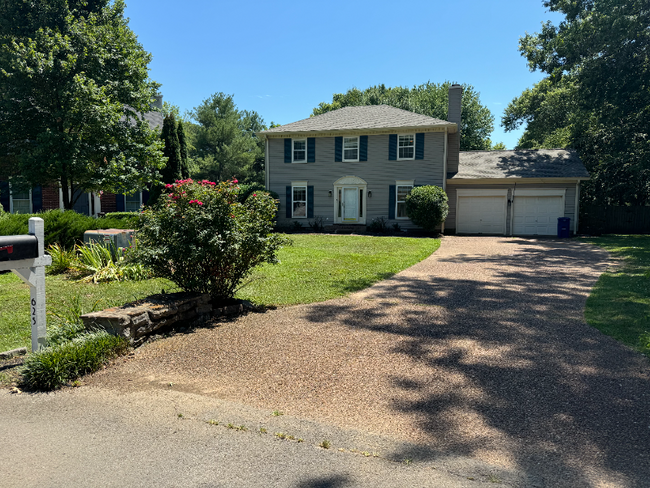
{"points": [[298, 161], [399, 183], [358, 149], [398, 146], [11, 200], [300, 184], [139, 206]]}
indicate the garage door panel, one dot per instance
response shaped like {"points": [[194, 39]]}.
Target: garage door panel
{"points": [[537, 215], [481, 214]]}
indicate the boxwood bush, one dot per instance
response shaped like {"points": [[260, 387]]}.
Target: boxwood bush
{"points": [[201, 236], [427, 206], [64, 228]]}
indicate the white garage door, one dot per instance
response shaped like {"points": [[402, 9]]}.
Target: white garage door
{"points": [[537, 215], [481, 215]]}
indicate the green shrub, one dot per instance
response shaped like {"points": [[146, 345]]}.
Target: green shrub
{"points": [[378, 225], [63, 228], [53, 367], [133, 216], [427, 206], [247, 190], [201, 237]]}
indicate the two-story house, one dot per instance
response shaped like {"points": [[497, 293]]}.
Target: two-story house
{"points": [[355, 164]]}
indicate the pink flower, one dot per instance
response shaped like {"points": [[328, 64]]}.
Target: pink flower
{"points": [[254, 194], [235, 181], [168, 186]]}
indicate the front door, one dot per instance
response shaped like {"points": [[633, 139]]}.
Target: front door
{"points": [[350, 204]]}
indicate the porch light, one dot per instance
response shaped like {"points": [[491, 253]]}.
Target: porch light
{"points": [[369, 193], [329, 193]]}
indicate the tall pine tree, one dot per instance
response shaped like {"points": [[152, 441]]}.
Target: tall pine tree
{"points": [[172, 151], [185, 167]]}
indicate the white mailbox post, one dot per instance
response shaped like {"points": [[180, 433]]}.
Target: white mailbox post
{"points": [[27, 259]]}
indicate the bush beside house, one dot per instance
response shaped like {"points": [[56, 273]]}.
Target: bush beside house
{"points": [[427, 206]]}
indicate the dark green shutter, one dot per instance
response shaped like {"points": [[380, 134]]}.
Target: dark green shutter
{"points": [[392, 147], [419, 146], [338, 149], [37, 199], [289, 201], [145, 197], [311, 149], [119, 202], [310, 202], [363, 148], [391, 201], [287, 150], [4, 195]]}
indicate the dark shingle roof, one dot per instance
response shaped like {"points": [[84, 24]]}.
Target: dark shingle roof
{"points": [[154, 119], [529, 163], [360, 118]]}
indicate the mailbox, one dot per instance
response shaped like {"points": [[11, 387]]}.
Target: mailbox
{"points": [[14, 248]]}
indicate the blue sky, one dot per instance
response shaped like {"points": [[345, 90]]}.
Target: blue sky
{"points": [[283, 58]]}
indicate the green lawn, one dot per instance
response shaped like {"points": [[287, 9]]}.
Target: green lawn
{"points": [[320, 267], [619, 304], [315, 268]]}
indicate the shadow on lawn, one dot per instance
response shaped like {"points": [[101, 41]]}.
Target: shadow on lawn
{"points": [[572, 405]]}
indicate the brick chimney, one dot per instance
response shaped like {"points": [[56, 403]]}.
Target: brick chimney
{"points": [[454, 114]]}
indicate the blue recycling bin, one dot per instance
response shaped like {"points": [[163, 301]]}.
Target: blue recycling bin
{"points": [[564, 227]]}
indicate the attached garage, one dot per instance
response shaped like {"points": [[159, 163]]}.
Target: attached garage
{"points": [[481, 211], [535, 212], [514, 193]]}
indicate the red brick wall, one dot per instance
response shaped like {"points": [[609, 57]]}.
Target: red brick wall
{"points": [[108, 202], [50, 197]]}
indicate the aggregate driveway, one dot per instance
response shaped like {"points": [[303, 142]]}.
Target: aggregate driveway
{"points": [[479, 351]]}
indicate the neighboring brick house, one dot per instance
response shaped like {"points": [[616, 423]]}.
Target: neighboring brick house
{"points": [[51, 197], [356, 164]]}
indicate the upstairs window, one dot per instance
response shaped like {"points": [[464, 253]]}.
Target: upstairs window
{"points": [[350, 149], [299, 150], [406, 146]]}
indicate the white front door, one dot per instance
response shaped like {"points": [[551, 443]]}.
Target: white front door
{"points": [[350, 204]]}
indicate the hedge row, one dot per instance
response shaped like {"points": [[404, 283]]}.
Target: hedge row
{"points": [[65, 228]]}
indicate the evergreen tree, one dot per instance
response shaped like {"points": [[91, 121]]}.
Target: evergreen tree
{"points": [[172, 151], [185, 165]]}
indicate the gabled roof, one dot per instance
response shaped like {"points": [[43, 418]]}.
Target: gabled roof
{"points": [[363, 118], [153, 118], [528, 163]]}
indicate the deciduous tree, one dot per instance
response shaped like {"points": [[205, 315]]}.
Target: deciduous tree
{"points": [[428, 99], [596, 97], [73, 83]]}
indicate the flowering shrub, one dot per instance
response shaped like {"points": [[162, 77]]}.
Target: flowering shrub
{"points": [[201, 237]]}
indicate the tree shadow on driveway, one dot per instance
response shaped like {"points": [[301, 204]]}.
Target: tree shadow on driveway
{"points": [[506, 369]]}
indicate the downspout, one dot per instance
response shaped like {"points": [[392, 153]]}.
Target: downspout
{"points": [[266, 163], [575, 226], [444, 174], [512, 211]]}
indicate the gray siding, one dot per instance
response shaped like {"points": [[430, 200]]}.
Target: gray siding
{"points": [[569, 199], [378, 172]]}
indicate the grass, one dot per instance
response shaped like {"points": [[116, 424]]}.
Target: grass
{"points": [[321, 267], [315, 268], [61, 294], [619, 304]]}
